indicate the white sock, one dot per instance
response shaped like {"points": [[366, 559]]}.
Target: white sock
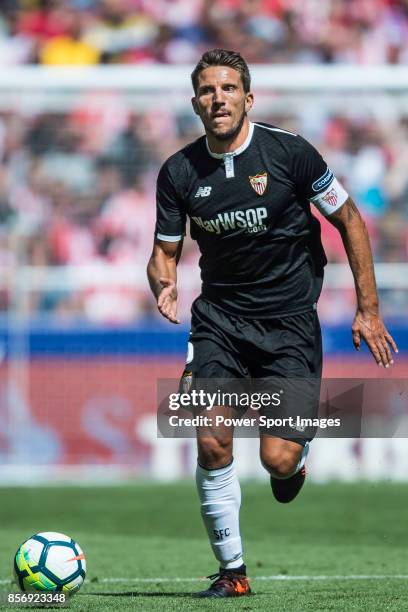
{"points": [[303, 457], [220, 496]]}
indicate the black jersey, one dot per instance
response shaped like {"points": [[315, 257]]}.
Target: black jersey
{"points": [[261, 253]]}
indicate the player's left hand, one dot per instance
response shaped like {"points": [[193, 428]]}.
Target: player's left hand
{"points": [[370, 327]]}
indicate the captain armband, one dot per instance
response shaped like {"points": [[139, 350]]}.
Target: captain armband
{"points": [[331, 199]]}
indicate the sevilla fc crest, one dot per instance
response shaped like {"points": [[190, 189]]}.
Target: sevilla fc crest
{"points": [[331, 197], [259, 182]]}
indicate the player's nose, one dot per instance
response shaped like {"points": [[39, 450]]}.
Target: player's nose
{"points": [[219, 96]]}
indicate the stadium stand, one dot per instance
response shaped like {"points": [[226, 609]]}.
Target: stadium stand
{"points": [[77, 185], [133, 31], [80, 357]]}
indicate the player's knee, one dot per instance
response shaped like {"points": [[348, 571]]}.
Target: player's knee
{"points": [[280, 464], [214, 452]]}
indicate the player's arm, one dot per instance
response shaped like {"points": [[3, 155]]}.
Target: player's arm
{"points": [[315, 181], [168, 242], [368, 324], [162, 275]]}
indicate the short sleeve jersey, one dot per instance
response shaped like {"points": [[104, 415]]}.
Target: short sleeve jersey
{"points": [[261, 252]]}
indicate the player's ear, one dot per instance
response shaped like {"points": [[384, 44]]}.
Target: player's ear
{"points": [[249, 101], [195, 106]]}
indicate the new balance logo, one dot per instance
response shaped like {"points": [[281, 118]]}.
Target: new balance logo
{"points": [[203, 192]]}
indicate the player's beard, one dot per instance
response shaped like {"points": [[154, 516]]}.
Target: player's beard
{"points": [[232, 133]]}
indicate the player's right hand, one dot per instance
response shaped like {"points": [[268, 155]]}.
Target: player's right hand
{"points": [[167, 300]]}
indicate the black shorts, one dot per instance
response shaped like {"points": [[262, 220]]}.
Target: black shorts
{"points": [[225, 346]]}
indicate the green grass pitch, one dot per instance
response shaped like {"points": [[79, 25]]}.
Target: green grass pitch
{"points": [[135, 535]]}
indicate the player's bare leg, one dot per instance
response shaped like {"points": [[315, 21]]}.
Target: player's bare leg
{"points": [[214, 443], [220, 497], [285, 462]]}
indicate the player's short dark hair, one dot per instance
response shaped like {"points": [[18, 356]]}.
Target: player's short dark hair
{"points": [[222, 57]]}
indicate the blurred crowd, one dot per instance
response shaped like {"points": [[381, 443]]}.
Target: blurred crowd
{"points": [[87, 32], [79, 188]]}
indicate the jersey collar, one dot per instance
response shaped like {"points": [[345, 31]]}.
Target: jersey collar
{"points": [[240, 149]]}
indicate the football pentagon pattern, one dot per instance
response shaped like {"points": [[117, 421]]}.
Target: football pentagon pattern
{"points": [[50, 561]]}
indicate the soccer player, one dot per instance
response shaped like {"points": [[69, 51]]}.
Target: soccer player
{"points": [[247, 188]]}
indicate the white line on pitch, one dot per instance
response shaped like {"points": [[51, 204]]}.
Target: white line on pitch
{"points": [[265, 578]]}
